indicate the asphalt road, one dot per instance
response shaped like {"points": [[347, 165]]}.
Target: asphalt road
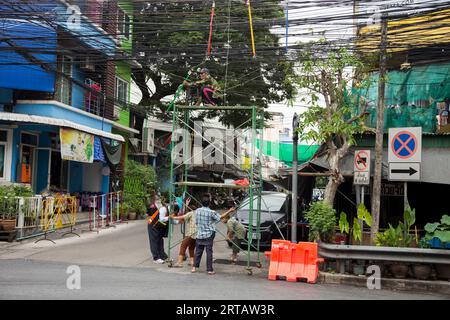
{"points": [[116, 265]]}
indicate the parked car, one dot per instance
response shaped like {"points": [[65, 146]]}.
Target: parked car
{"points": [[275, 218]]}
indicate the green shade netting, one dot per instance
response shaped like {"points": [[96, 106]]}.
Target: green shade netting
{"points": [[411, 96], [285, 152]]}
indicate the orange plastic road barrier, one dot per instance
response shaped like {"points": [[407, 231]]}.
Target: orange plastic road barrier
{"points": [[293, 261]]}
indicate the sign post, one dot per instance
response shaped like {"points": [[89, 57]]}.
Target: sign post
{"points": [[405, 156], [361, 175]]}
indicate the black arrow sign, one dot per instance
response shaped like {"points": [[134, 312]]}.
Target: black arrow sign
{"points": [[411, 171]]}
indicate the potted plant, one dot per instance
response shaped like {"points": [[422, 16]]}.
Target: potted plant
{"points": [[9, 204], [438, 237], [8, 213], [398, 237], [438, 234], [421, 271], [365, 217], [322, 221]]}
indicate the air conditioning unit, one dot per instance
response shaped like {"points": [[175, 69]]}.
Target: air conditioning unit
{"points": [[148, 140], [87, 64]]}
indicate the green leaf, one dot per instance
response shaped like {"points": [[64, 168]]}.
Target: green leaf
{"points": [[357, 234], [343, 223], [364, 214], [409, 217], [444, 236], [445, 220], [431, 227]]}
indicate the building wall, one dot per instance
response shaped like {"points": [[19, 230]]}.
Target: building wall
{"points": [[123, 71], [55, 111], [127, 7], [77, 91], [75, 177]]}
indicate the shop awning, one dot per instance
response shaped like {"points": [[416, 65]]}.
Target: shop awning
{"points": [[19, 117]]}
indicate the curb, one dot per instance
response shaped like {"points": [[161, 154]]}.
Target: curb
{"points": [[441, 287]]}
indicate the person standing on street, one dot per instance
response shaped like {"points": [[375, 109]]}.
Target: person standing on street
{"points": [[157, 228], [235, 234], [206, 220], [190, 238]]}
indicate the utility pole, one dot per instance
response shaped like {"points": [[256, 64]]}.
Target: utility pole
{"points": [[376, 193], [294, 180]]}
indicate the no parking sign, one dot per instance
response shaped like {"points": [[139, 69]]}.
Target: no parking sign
{"points": [[405, 154], [405, 145]]}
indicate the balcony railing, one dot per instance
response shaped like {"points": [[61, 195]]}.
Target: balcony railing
{"points": [[93, 102]]}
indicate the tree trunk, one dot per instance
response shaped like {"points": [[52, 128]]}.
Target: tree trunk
{"points": [[141, 81], [336, 178], [330, 191], [376, 193]]}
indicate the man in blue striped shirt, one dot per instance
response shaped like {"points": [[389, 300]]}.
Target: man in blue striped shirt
{"points": [[206, 220]]}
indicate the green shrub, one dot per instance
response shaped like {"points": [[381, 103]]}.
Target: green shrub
{"points": [[8, 199], [438, 230], [399, 236], [362, 215], [322, 220], [140, 182]]}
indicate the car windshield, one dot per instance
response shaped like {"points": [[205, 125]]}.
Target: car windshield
{"points": [[269, 202]]}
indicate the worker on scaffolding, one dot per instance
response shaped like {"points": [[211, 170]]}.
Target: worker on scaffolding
{"points": [[207, 89]]}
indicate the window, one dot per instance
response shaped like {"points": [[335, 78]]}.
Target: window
{"points": [[3, 136], [5, 155], [29, 139], [2, 160], [121, 90], [269, 202], [123, 24], [64, 91]]}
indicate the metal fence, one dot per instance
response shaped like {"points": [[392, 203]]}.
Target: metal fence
{"points": [[40, 215], [105, 210]]}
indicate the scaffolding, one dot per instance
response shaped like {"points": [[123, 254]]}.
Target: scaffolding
{"points": [[252, 171]]}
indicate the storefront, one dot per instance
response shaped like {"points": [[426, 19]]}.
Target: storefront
{"points": [[56, 157]]}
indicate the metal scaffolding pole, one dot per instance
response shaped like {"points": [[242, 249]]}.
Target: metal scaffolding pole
{"points": [[254, 174]]}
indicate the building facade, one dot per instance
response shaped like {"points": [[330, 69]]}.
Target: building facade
{"points": [[59, 123]]}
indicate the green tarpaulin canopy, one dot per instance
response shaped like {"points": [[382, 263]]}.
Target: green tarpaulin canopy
{"points": [[285, 152], [412, 96]]}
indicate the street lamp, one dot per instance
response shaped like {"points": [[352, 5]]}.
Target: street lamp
{"points": [[295, 124]]}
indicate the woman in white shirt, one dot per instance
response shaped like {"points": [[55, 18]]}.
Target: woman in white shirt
{"points": [[157, 230]]}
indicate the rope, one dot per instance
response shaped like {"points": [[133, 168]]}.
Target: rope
{"points": [[211, 28], [287, 25], [225, 98], [251, 27]]}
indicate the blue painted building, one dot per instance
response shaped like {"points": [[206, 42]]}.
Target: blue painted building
{"points": [[57, 70]]}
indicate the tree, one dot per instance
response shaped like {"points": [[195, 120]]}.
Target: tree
{"points": [[335, 122], [174, 36]]}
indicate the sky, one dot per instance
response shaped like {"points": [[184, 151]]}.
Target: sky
{"points": [[338, 24], [310, 20]]}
